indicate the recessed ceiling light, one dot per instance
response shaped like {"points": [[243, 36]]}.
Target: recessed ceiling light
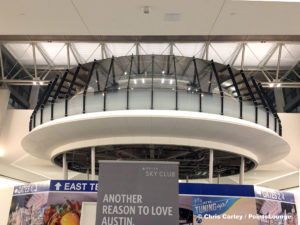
{"points": [[146, 10]]}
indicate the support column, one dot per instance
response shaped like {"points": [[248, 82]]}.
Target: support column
{"points": [[211, 166], [65, 166], [4, 98], [242, 170], [279, 99], [93, 162], [87, 174], [33, 99], [187, 179]]}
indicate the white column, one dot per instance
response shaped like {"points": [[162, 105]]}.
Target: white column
{"points": [[87, 174], [93, 162], [211, 166], [34, 94], [242, 170], [4, 98], [65, 166]]}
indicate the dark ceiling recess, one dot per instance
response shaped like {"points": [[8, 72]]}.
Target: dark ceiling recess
{"points": [[194, 161], [150, 38], [292, 95]]}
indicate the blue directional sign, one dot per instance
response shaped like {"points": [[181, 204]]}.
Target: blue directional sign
{"points": [[74, 185]]}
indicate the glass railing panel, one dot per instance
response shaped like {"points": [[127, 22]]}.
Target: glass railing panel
{"points": [[37, 118], [272, 123], [231, 107], [47, 113], [59, 109], [116, 100], [211, 103], [188, 101], [94, 102], [75, 105], [164, 99], [262, 117], [140, 99], [249, 111]]}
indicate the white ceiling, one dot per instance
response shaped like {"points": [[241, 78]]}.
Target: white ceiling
{"points": [[119, 17]]}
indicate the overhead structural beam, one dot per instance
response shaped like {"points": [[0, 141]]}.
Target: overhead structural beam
{"points": [[21, 64], [278, 62], [34, 61]]}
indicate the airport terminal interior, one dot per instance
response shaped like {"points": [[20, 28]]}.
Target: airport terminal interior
{"points": [[213, 85]]}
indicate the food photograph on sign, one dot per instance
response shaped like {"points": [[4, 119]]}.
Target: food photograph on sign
{"points": [[65, 208]]}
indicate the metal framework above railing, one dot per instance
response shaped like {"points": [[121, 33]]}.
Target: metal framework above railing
{"points": [[197, 79]]}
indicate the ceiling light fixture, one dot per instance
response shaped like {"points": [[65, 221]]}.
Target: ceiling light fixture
{"points": [[271, 85], [134, 81], [1, 152], [163, 80], [163, 72], [171, 81], [278, 85], [143, 80], [34, 83]]}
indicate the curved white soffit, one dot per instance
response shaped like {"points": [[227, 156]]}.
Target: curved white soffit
{"points": [[156, 127]]}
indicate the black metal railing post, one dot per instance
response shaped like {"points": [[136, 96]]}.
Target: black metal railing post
{"points": [[237, 90], [152, 88], [40, 103], [128, 83], [196, 77], [219, 86], [30, 123], [70, 89], [57, 92], [87, 85], [262, 100], [106, 83], [176, 83], [251, 94], [270, 104]]}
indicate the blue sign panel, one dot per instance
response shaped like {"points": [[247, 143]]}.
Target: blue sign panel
{"points": [[271, 194], [31, 188], [217, 190], [74, 185]]}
